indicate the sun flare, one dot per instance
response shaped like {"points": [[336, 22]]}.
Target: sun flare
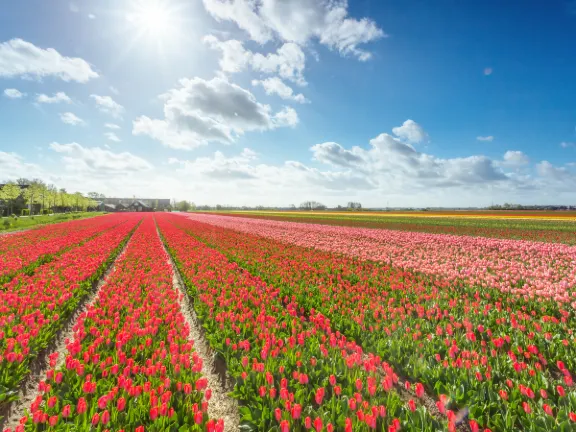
{"points": [[155, 18]]}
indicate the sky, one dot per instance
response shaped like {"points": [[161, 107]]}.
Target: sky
{"points": [[275, 102]]}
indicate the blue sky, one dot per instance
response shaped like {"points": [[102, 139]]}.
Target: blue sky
{"points": [[408, 102]]}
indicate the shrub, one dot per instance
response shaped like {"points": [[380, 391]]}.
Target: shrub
{"points": [[25, 212]]}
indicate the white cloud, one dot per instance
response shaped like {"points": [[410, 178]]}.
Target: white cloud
{"points": [[485, 138], [91, 16], [57, 98], [290, 175], [112, 136], [112, 126], [202, 111], [299, 21], [71, 119], [74, 7], [23, 59], [286, 117], [289, 60], [411, 132], [12, 166], [488, 71], [276, 86], [108, 105], [566, 144], [515, 158], [394, 164], [547, 170], [14, 93], [98, 160]]}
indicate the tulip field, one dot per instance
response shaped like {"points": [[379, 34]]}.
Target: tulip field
{"points": [[318, 327]]}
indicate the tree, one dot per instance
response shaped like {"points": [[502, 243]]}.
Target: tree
{"points": [[31, 195], [10, 192], [51, 195], [312, 205], [23, 181], [183, 206]]}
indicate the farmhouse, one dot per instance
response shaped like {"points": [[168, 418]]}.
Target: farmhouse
{"points": [[133, 204]]}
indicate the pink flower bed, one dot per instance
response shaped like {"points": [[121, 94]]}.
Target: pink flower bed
{"points": [[523, 267]]}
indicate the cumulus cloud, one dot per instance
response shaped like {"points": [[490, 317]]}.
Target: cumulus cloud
{"points": [[390, 161], [411, 132], [14, 93], [12, 165], [111, 126], [71, 119], [56, 98], [290, 175], [276, 86], [220, 167], [98, 160], [549, 171], [112, 136], [515, 158], [334, 154], [107, 105], [288, 61], [299, 21], [485, 138], [201, 111], [19, 58]]}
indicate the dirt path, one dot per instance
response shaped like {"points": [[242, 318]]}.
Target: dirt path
{"points": [[221, 405]]}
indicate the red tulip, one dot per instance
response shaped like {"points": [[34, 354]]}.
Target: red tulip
{"points": [[105, 418], [318, 425]]}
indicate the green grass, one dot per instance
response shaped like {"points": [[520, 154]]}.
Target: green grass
{"points": [[8, 224]]}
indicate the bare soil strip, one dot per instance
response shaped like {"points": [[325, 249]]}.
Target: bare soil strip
{"points": [[221, 405], [41, 364]]}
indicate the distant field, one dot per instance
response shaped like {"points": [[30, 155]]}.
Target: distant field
{"points": [[557, 227], [565, 215]]}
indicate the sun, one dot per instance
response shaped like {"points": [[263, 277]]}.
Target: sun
{"points": [[154, 18]]}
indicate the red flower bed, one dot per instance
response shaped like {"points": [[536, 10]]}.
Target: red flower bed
{"points": [[130, 365], [34, 307], [506, 359], [35, 247], [293, 370]]}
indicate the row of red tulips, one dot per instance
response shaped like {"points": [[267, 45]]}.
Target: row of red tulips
{"points": [[34, 307], [292, 371], [27, 250], [130, 365], [505, 359]]}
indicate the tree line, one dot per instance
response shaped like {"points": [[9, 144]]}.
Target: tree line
{"points": [[304, 206], [25, 196]]}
